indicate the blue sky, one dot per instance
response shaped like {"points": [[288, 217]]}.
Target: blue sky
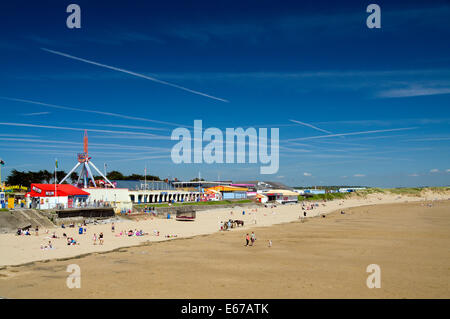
{"points": [[313, 62]]}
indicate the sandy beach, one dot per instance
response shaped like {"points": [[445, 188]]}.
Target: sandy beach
{"points": [[314, 258], [16, 250]]}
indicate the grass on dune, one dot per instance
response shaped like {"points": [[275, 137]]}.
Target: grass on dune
{"points": [[328, 196], [416, 191]]}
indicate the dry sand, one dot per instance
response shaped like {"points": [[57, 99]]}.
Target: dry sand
{"points": [[16, 250], [316, 258]]}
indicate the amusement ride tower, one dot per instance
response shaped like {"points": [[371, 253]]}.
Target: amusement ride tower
{"points": [[85, 162]]}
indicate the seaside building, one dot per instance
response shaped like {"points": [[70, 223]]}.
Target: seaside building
{"points": [[251, 189], [350, 189], [51, 196], [13, 196], [116, 197], [282, 196], [229, 192], [261, 186], [2, 200], [152, 192], [262, 198], [198, 185]]}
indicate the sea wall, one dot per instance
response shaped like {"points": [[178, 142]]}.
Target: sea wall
{"points": [[164, 211]]}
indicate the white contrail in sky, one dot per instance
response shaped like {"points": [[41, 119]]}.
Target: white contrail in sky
{"points": [[311, 126], [148, 135], [133, 73], [37, 113], [91, 111], [352, 133], [127, 126]]}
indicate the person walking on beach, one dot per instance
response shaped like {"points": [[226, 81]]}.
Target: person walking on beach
{"points": [[100, 237], [112, 228], [37, 230], [247, 239], [94, 238], [270, 243], [253, 238]]}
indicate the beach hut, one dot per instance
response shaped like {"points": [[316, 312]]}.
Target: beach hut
{"points": [[186, 215]]}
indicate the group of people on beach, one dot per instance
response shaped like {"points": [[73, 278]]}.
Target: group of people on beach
{"points": [[131, 233], [250, 239], [47, 246], [100, 239], [310, 206], [23, 232]]}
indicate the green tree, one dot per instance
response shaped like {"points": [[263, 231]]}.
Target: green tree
{"points": [[46, 176], [60, 175], [135, 177], [17, 178], [115, 175], [74, 177]]}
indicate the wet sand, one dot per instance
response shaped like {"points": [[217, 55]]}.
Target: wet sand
{"points": [[317, 258]]}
